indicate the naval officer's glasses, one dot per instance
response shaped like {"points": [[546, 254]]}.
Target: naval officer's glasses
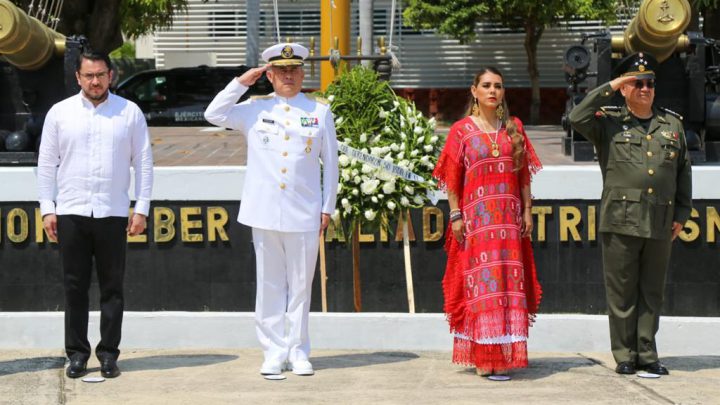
{"points": [[90, 76], [650, 84]]}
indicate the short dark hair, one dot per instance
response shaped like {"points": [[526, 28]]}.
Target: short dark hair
{"points": [[94, 56]]}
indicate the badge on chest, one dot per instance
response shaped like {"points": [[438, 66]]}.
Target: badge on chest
{"points": [[309, 122]]}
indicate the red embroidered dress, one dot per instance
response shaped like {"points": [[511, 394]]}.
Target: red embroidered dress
{"points": [[490, 285]]}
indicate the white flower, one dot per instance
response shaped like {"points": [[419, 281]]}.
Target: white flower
{"points": [[370, 186], [383, 114], [411, 166], [425, 159], [401, 155], [345, 203], [331, 98], [409, 110], [370, 215], [381, 196], [346, 176], [403, 136], [367, 169], [433, 139], [414, 153], [402, 121], [356, 180], [338, 120], [391, 205], [418, 130], [388, 187], [376, 151], [363, 137], [394, 147], [404, 201], [374, 199], [355, 192], [403, 163], [432, 122], [396, 103], [364, 150], [428, 148], [354, 172], [348, 209], [384, 175], [336, 215], [408, 189], [387, 130], [418, 200], [343, 160]]}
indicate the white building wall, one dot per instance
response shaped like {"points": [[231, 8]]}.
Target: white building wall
{"points": [[428, 59]]}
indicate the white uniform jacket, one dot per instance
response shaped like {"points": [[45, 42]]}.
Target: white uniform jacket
{"points": [[287, 138]]}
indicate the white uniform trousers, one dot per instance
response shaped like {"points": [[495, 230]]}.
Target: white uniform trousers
{"points": [[285, 270]]}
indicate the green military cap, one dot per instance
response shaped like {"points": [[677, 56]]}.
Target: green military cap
{"points": [[640, 64]]}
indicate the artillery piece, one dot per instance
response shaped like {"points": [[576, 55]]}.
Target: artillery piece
{"points": [[687, 77], [37, 69]]}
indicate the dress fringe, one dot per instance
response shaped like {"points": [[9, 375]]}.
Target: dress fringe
{"points": [[504, 356]]}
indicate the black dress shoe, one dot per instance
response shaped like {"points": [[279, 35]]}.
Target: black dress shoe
{"points": [[625, 367], [655, 368], [109, 368], [76, 369]]}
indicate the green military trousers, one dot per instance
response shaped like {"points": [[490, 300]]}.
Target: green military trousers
{"points": [[635, 270]]}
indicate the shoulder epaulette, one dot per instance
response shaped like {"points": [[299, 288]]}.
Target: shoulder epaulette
{"points": [[671, 112], [319, 99], [610, 108], [266, 97]]}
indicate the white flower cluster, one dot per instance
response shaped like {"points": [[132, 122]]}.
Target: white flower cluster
{"points": [[388, 127]]}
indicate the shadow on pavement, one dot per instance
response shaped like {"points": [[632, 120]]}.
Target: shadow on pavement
{"points": [[360, 359], [30, 365], [173, 361], [539, 368], [691, 363]]}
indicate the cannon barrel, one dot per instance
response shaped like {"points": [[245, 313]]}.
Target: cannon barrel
{"points": [[25, 42], [657, 29]]}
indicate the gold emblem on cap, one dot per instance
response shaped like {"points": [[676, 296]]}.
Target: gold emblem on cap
{"points": [[287, 52], [641, 68]]}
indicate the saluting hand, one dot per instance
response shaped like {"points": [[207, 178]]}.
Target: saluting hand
{"points": [[249, 78], [617, 82], [136, 224], [676, 229]]}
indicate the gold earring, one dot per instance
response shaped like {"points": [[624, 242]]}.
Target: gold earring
{"points": [[475, 108], [500, 112]]}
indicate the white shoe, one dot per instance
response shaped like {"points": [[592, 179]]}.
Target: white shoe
{"points": [[271, 367], [302, 367]]}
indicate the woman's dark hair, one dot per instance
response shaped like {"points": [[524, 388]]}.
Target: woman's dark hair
{"points": [[518, 142]]}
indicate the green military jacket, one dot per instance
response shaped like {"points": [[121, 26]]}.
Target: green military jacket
{"points": [[647, 182]]}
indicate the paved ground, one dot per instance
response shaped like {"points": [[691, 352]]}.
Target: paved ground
{"points": [[196, 146], [351, 377]]}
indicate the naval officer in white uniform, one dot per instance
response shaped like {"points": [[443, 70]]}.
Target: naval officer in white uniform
{"points": [[285, 199]]}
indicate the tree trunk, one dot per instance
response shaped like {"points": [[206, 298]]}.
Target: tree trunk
{"points": [[533, 33], [711, 23]]}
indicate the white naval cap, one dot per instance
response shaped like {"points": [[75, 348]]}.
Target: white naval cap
{"points": [[285, 54]]}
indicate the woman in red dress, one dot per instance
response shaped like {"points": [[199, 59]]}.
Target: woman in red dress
{"points": [[490, 285]]}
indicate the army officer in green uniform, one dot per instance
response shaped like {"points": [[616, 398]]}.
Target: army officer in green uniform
{"points": [[646, 199]]}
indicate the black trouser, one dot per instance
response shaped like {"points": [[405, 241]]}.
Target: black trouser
{"points": [[81, 239]]}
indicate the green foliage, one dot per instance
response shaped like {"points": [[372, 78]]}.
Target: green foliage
{"points": [[371, 118], [126, 50], [140, 17], [457, 18]]}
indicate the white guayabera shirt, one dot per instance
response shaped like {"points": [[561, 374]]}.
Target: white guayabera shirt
{"points": [[86, 154]]}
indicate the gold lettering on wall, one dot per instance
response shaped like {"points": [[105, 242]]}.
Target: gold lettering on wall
{"points": [[570, 218], [217, 218], [591, 223], [163, 224], [139, 238], [693, 226], [399, 231], [428, 214], [713, 223], [17, 235], [541, 211], [186, 224]]}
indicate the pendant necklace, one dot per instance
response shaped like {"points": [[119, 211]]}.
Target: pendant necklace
{"points": [[493, 141]]}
